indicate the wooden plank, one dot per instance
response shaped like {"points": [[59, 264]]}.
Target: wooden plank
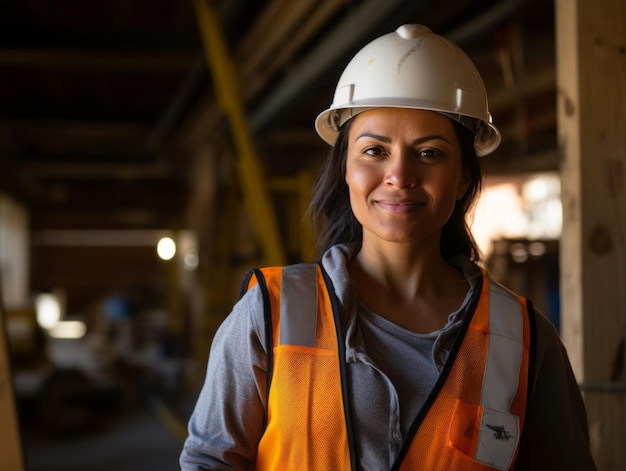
{"points": [[591, 79], [11, 456]]}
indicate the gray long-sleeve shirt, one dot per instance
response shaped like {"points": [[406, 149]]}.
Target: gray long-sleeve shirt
{"points": [[392, 371]]}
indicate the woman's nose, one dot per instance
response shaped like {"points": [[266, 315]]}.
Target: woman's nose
{"points": [[400, 172]]}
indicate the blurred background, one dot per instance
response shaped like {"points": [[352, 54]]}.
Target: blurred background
{"points": [[152, 151]]}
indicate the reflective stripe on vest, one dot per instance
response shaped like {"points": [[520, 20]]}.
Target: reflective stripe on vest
{"points": [[500, 383], [493, 419], [298, 305]]}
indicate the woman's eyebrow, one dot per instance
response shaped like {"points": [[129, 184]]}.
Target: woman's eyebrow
{"points": [[415, 142], [374, 136], [434, 137]]}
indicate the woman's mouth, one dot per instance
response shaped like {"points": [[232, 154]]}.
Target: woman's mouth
{"points": [[402, 206]]}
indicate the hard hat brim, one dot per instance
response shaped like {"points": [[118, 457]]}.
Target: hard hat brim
{"points": [[328, 123]]}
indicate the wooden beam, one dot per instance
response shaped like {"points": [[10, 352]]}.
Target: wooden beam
{"points": [[591, 80], [38, 58], [95, 171], [283, 29], [62, 135]]}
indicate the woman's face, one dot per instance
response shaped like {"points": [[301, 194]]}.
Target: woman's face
{"points": [[404, 174]]}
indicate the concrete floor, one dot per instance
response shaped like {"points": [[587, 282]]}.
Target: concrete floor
{"points": [[81, 410], [130, 441]]}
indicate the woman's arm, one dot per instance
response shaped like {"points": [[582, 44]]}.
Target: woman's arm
{"points": [[227, 422], [555, 434]]}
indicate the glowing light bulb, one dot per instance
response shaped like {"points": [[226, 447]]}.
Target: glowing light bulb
{"points": [[166, 248], [48, 310]]}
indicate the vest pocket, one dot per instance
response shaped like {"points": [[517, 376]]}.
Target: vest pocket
{"points": [[465, 427], [485, 435]]}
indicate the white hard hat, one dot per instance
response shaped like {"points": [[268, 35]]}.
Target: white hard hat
{"points": [[412, 68]]}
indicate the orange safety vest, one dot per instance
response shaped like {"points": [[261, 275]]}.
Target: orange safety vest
{"points": [[472, 419]]}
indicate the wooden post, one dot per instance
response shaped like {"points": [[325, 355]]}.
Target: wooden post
{"points": [[11, 456], [591, 81]]}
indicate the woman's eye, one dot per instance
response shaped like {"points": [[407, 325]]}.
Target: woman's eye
{"points": [[429, 154], [373, 151]]}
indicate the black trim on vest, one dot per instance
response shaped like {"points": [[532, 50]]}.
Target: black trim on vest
{"points": [[269, 335], [245, 283], [442, 377], [343, 368]]}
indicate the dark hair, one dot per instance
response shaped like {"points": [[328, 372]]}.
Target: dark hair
{"points": [[332, 216], [456, 237]]}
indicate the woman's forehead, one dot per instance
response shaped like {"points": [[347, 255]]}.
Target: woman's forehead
{"points": [[402, 120]]}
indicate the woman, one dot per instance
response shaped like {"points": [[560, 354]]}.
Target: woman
{"points": [[396, 351]]}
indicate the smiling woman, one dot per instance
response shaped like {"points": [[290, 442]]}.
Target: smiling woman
{"points": [[396, 350]]}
